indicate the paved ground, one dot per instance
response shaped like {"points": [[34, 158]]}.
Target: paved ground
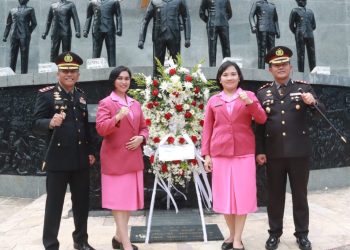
{"points": [[21, 223]]}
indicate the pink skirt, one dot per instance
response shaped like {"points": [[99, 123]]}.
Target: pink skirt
{"points": [[234, 185], [123, 192]]}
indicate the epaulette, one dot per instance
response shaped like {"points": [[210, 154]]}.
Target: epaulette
{"points": [[300, 82], [42, 90], [80, 90], [266, 85]]}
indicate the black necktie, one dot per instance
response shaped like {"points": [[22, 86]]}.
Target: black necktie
{"points": [[282, 90]]}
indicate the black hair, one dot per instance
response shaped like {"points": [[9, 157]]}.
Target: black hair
{"points": [[222, 69], [116, 72]]}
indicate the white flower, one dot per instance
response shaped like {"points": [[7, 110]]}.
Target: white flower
{"points": [[186, 107], [148, 80], [188, 85], [183, 70]]}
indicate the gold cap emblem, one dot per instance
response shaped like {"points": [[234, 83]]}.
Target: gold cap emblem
{"points": [[279, 52], [68, 58]]}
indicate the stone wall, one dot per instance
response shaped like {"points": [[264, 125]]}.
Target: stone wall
{"points": [[331, 35]]}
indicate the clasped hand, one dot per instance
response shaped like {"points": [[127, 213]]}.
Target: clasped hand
{"points": [[245, 98], [134, 142], [57, 120], [308, 98]]}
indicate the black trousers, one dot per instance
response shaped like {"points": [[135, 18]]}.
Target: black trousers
{"points": [[55, 45], [224, 36], [297, 170], [160, 45], [56, 185], [266, 41], [97, 42], [21, 44], [309, 43]]}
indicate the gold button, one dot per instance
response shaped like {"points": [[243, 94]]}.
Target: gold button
{"points": [[282, 112], [304, 132], [73, 107], [58, 144], [282, 102], [76, 119], [78, 130], [283, 122], [79, 142], [284, 134]]}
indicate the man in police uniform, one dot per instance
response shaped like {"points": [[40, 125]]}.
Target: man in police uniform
{"points": [[216, 14], [61, 112], [284, 145]]}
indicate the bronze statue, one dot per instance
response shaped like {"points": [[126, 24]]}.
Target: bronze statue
{"points": [[263, 21], [302, 23], [103, 27], [216, 13], [20, 24], [59, 17], [166, 28]]}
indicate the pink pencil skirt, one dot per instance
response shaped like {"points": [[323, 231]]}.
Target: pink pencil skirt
{"points": [[234, 185], [123, 192]]}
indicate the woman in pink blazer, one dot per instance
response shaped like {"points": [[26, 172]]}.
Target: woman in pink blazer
{"points": [[228, 145], [120, 121]]}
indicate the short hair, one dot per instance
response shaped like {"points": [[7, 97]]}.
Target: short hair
{"points": [[116, 72], [222, 69]]}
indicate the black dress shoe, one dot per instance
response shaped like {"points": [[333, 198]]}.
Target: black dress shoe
{"points": [[227, 245], [118, 245], [304, 243], [83, 246], [272, 242]]}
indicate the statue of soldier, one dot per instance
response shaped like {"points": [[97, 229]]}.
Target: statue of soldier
{"points": [[166, 28], [103, 27], [59, 17], [216, 13], [21, 22], [302, 23], [263, 21]]}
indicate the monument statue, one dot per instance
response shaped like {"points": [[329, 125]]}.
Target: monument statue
{"points": [[20, 24], [166, 28], [302, 23], [103, 27], [263, 21], [216, 13], [59, 17]]}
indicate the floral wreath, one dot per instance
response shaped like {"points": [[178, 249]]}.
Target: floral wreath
{"points": [[173, 106]]}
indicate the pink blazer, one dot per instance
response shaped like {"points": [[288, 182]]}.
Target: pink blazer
{"points": [[115, 158], [230, 135]]}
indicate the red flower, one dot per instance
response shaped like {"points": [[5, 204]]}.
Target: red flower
{"points": [[176, 94], [194, 138], [196, 90], [167, 116], [155, 104], [201, 122], [155, 92], [201, 106], [149, 105], [155, 83], [182, 140], [193, 162], [172, 72], [178, 107], [194, 103], [156, 139], [148, 122], [151, 159], [188, 78], [164, 168], [188, 114], [176, 162], [171, 140]]}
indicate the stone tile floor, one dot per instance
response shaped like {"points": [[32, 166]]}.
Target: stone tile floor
{"points": [[21, 223]]}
